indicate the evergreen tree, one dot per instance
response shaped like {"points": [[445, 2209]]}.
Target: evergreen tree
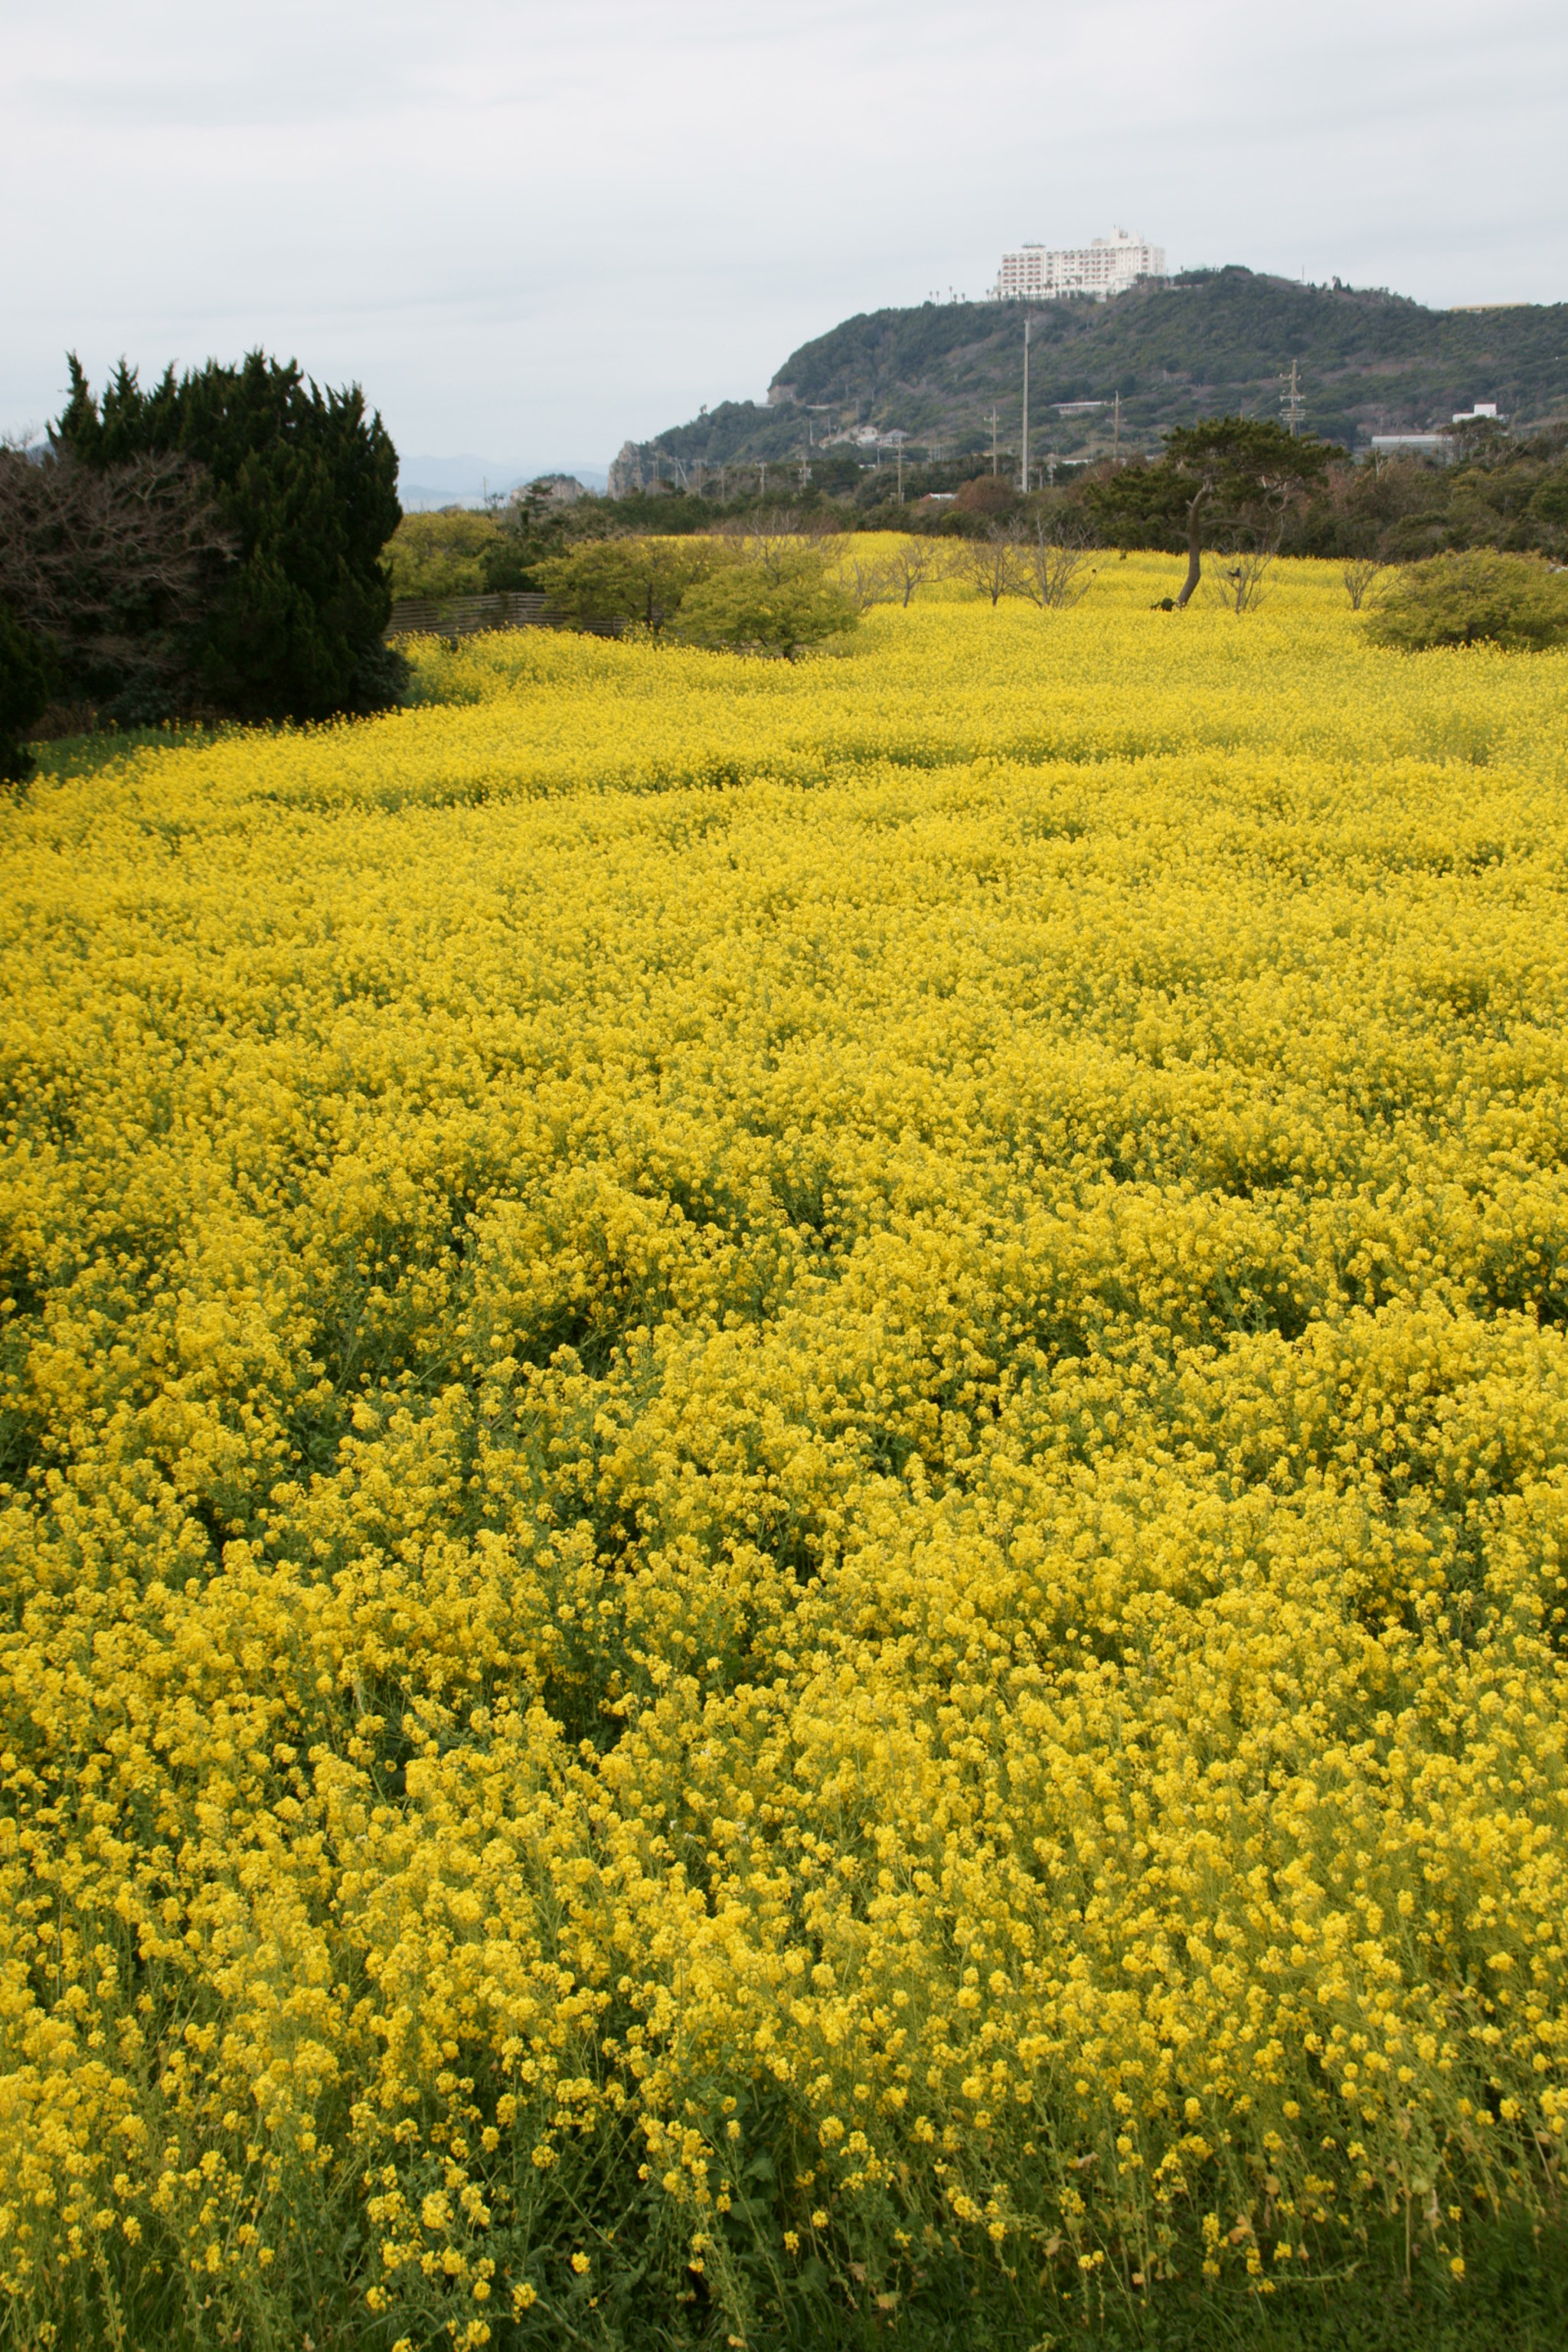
{"points": [[1233, 476], [23, 694], [306, 483]]}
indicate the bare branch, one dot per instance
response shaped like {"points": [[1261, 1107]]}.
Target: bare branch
{"points": [[111, 564], [1359, 575], [1055, 561], [995, 562], [914, 561], [867, 580], [1240, 585]]}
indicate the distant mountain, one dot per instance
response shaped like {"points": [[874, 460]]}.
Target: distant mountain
{"points": [[424, 482], [1207, 343]]}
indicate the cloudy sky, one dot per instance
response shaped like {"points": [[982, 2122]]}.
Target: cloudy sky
{"points": [[534, 230]]}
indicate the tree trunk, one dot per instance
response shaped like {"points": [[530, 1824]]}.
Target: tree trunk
{"points": [[1194, 518]]}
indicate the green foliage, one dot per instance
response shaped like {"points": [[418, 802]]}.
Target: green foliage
{"points": [[1508, 493], [1248, 472], [1479, 597], [779, 601], [638, 582], [769, 592], [24, 696], [470, 551], [1548, 503], [441, 554], [1245, 457], [307, 482], [666, 513], [63, 758], [1139, 505]]}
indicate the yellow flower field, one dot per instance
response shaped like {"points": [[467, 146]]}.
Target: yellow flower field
{"points": [[786, 1483]]}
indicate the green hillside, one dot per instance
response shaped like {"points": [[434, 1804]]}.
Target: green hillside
{"points": [[1209, 341]]}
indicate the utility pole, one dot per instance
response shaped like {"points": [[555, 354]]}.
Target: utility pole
{"points": [[1025, 469], [992, 440], [900, 470], [1292, 404], [761, 478], [1116, 442]]}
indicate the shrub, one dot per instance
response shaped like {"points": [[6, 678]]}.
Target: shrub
{"points": [[1516, 601], [990, 497], [778, 601]]}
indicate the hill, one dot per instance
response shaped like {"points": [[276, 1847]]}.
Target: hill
{"points": [[1207, 341]]}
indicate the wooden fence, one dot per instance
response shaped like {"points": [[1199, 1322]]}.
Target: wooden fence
{"points": [[464, 616]]}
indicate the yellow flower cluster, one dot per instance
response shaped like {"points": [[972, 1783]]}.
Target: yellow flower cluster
{"points": [[786, 1477]]}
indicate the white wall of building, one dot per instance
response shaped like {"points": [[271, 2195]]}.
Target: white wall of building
{"points": [[1042, 273]]}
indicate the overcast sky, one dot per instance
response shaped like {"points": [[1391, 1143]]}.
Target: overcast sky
{"points": [[533, 230]]}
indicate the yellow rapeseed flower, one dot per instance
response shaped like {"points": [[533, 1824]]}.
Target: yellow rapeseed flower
{"points": [[790, 1434]]}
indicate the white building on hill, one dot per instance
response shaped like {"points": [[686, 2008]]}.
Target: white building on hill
{"points": [[1041, 273]]}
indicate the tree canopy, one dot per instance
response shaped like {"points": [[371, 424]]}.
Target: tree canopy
{"points": [[1231, 477], [306, 481], [639, 582], [780, 601], [766, 592]]}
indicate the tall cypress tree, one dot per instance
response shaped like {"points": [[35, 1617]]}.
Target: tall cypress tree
{"points": [[307, 482]]}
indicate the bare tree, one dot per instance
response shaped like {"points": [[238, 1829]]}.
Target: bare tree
{"points": [[1359, 575], [914, 562], [1240, 585], [995, 562], [110, 565], [776, 539], [890, 579], [1055, 561], [867, 580], [821, 526]]}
